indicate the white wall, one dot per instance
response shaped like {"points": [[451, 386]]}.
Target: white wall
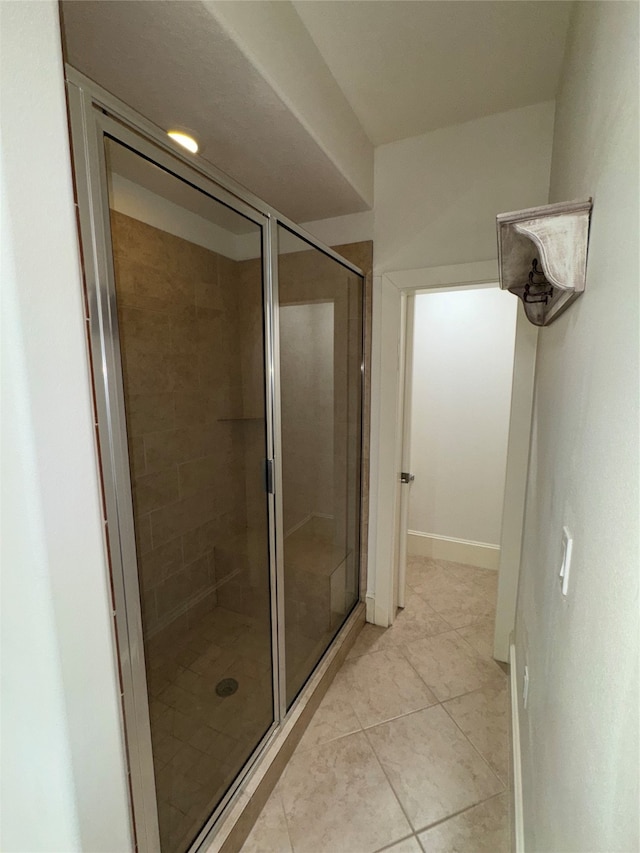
{"points": [[462, 372], [63, 773], [437, 195], [436, 199], [579, 733], [354, 228]]}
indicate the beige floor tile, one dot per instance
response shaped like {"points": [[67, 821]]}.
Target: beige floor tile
{"points": [[384, 685], [467, 572], [433, 768], [367, 641], [415, 621], [482, 829], [480, 636], [422, 573], [450, 666], [455, 598], [459, 603], [334, 718], [407, 845], [337, 799], [270, 833], [484, 718], [487, 581]]}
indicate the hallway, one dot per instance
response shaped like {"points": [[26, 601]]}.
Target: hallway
{"points": [[409, 750]]}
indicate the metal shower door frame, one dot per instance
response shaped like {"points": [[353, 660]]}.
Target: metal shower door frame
{"points": [[94, 115]]}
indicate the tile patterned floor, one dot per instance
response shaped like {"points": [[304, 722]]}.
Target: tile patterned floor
{"points": [[409, 750]]}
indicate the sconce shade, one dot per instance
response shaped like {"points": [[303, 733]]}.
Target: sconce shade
{"points": [[542, 256]]}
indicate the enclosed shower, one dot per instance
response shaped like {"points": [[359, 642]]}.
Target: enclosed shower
{"points": [[227, 352]]}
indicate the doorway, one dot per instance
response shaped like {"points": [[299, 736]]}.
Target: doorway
{"points": [[395, 293], [458, 381]]}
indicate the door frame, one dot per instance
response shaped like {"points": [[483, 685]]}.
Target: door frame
{"points": [[388, 379], [403, 450]]}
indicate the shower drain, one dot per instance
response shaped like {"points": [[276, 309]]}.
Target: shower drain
{"points": [[226, 687]]}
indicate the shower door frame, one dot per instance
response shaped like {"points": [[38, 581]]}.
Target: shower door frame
{"points": [[95, 114]]}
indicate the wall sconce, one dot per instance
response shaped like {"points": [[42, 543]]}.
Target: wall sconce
{"points": [[542, 256]]}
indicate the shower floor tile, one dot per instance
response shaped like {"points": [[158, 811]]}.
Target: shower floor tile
{"points": [[201, 739], [317, 806]]}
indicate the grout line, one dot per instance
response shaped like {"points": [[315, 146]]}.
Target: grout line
{"points": [[458, 813], [329, 740], [486, 760], [397, 841], [364, 730], [401, 716], [428, 686], [278, 796], [389, 782]]}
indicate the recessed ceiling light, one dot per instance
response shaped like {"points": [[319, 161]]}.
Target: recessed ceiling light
{"points": [[185, 140]]}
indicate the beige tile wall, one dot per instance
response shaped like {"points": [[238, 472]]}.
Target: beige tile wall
{"points": [[307, 382], [311, 276], [192, 350], [178, 311], [361, 254], [318, 593]]}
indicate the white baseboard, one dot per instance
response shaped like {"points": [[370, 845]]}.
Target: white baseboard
{"points": [[479, 554], [516, 758]]}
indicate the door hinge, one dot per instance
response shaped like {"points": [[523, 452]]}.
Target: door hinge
{"points": [[406, 477]]}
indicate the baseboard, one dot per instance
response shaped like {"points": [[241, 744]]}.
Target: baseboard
{"points": [[479, 554], [516, 757]]}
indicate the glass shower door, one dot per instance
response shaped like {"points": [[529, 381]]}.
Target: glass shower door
{"points": [[190, 312], [320, 340]]}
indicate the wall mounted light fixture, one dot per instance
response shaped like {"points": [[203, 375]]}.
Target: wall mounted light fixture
{"points": [[542, 256]]}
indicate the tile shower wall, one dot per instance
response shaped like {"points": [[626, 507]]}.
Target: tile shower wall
{"points": [[308, 277], [179, 319], [361, 254], [240, 561], [298, 268], [306, 359], [191, 338], [318, 301]]}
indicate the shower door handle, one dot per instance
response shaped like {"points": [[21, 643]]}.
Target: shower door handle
{"points": [[268, 476], [406, 477]]}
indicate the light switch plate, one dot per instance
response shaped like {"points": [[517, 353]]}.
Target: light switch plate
{"points": [[567, 547]]}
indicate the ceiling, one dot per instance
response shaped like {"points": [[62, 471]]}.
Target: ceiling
{"points": [[410, 67], [176, 65], [278, 93]]}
